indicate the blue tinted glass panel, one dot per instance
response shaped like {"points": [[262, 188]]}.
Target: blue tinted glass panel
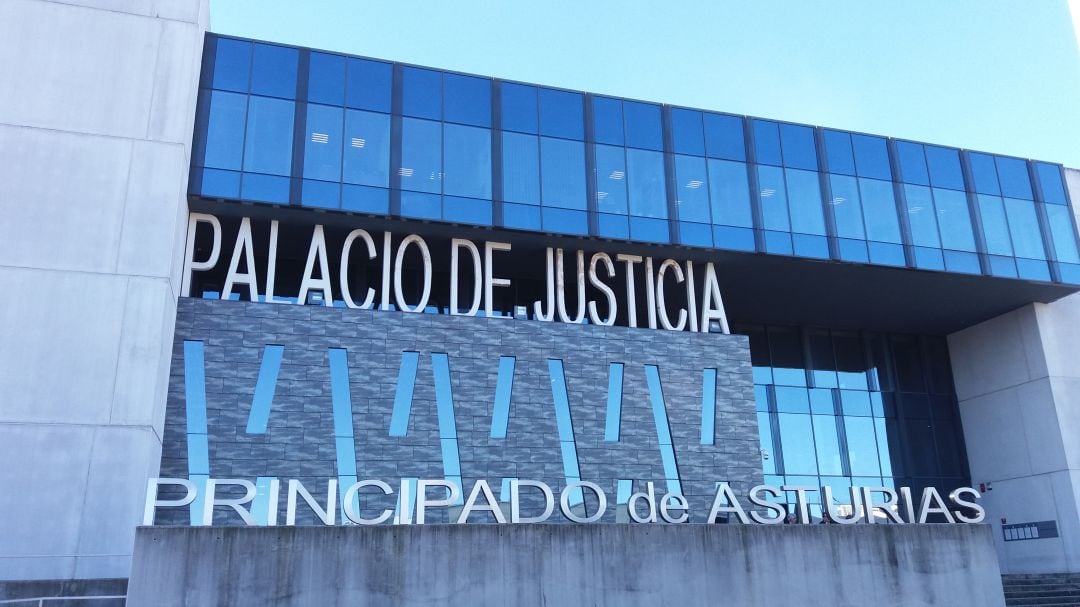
{"points": [[846, 207], [466, 210], [1053, 189], [729, 192], [610, 179], [695, 234], [264, 188], [607, 120], [420, 205], [995, 225], [368, 85], [954, 220], [687, 132], [643, 126], [708, 407], [367, 148], [612, 226], [521, 216], [692, 189], [225, 130], [1024, 228], [855, 402], [1062, 231], [564, 221], [232, 65], [421, 147], [322, 194], [1013, 174], [326, 79], [944, 164], [521, 168], [563, 174], [519, 112], [871, 156], [797, 443], [984, 173], [773, 198], [879, 211], [766, 142], [561, 114], [838, 152], [791, 399], [467, 99], [768, 452], [421, 93], [862, 446], [466, 161], [800, 151], [724, 136], [365, 199], [804, 202], [828, 445], [645, 183], [220, 184], [920, 209], [649, 230], [273, 71], [268, 146], [912, 163], [322, 143], [614, 402]]}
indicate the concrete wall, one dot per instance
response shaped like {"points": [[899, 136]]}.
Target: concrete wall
{"points": [[678, 565], [299, 441], [1018, 382], [97, 103]]}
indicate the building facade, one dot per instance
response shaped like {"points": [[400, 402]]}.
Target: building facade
{"points": [[271, 262]]}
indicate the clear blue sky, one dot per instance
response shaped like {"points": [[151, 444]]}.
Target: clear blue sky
{"points": [[994, 75]]}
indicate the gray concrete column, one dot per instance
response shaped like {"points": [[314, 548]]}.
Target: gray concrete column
{"points": [[1018, 380], [97, 103]]}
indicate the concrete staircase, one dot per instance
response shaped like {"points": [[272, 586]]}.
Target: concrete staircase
{"points": [[1042, 590]]}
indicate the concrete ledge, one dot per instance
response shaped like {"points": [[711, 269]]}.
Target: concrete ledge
{"points": [[679, 565]]}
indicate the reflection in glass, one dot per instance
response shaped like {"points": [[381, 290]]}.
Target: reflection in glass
{"points": [[268, 145], [610, 179], [563, 175], [692, 189], [466, 161], [645, 176], [521, 168], [421, 162], [367, 148]]}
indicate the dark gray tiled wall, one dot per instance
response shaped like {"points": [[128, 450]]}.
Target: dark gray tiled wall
{"points": [[299, 440]]}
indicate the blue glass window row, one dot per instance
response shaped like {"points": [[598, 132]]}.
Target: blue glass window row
{"points": [[848, 406], [294, 126]]}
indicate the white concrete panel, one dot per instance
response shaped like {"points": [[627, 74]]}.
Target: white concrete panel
{"points": [[44, 481], [63, 370], [154, 193], [996, 354], [994, 435], [1040, 426], [1059, 324], [61, 198], [1025, 500], [1067, 401], [36, 567], [1067, 498], [72, 58], [121, 461], [142, 365], [172, 113], [180, 10]]}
